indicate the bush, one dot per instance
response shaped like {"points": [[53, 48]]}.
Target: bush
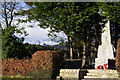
{"points": [[43, 64]]}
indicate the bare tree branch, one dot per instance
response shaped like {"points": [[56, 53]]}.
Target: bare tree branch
{"points": [[5, 13], [7, 9], [12, 6]]}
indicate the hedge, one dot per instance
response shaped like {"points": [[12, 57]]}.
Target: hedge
{"points": [[43, 64], [118, 56]]}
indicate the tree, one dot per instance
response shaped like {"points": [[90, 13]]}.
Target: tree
{"points": [[66, 17], [12, 46], [79, 21], [7, 9]]}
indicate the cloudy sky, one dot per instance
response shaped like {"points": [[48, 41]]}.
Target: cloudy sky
{"points": [[37, 35]]}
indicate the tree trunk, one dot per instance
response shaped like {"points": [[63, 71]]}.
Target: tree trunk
{"points": [[71, 53], [84, 57], [70, 49], [84, 47]]}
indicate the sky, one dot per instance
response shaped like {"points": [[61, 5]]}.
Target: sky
{"points": [[37, 35]]}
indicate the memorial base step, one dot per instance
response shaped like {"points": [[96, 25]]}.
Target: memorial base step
{"points": [[101, 74], [69, 74], [92, 74]]}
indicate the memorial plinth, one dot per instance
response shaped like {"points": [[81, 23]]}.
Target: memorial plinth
{"points": [[105, 50]]}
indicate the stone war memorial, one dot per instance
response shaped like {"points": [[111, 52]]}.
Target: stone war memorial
{"points": [[104, 67], [105, 50]]}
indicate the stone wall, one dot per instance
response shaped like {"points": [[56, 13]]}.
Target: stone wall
{"points": [[118, 56]]}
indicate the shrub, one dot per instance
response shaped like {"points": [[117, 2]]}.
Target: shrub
{"points": [[43, 64]]}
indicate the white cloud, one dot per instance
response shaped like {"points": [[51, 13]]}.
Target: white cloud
{"points": [[37, 34]]}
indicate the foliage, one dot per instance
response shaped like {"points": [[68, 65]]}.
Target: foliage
{"points": [[12, 46], [73, 20], [72, 17], [79, 21], [67, 17], [111, 10]]}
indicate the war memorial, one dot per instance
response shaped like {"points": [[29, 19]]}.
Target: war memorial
{"points": [[104, 67]]}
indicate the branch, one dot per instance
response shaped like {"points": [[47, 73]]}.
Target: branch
{"points": [[5, 13], [12, 6], [3, 16]]}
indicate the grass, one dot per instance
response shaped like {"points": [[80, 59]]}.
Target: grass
{"points": [[21, 77], [16, 76]]}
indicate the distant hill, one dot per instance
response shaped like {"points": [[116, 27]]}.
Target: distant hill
{"points": [[62, 47]]}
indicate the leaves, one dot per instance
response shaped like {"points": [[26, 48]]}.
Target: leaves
{"points": [[80, 21], [12, 46]]}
